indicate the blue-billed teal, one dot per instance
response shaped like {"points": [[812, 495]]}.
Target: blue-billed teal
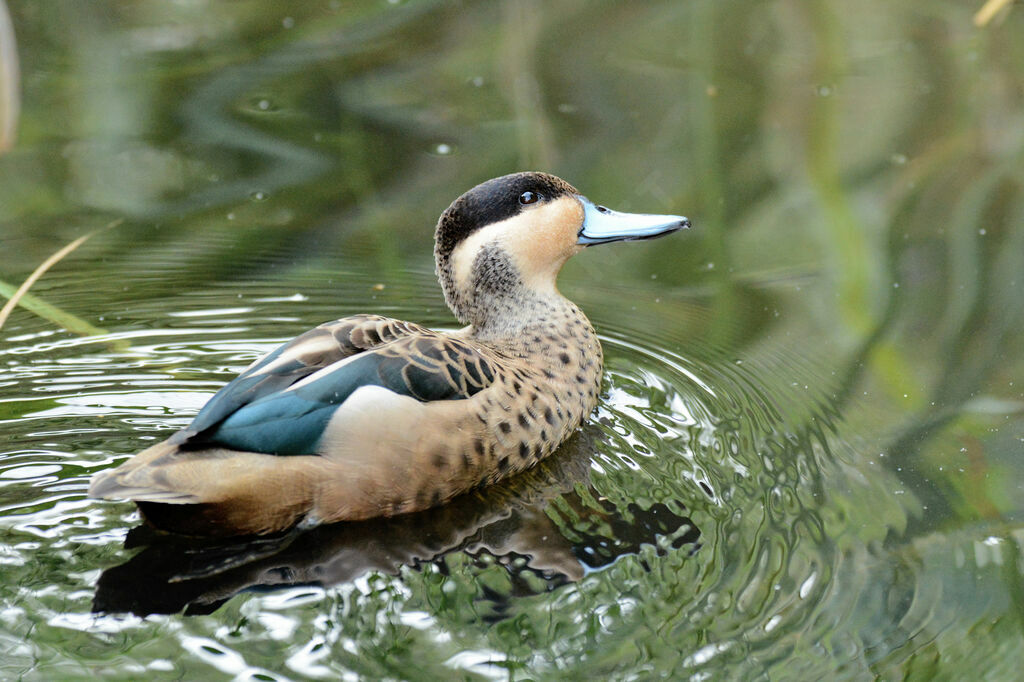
{"points": [[370, 416]]}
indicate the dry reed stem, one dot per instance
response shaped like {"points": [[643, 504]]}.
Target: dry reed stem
{"points": [[9, 88], [989, 10], [46, 265]]}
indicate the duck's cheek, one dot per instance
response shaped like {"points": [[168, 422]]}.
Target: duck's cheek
{"points": [[546, 235], [563, 220]]}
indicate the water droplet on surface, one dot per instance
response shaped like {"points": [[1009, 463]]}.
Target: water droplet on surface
{"points": [[258, 196], [443, 149]]}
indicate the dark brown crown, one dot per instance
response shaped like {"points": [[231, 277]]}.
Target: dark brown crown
{"points": [[491, 202]]}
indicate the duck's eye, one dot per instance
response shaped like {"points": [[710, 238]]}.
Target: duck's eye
{"points": [[529, 198]]}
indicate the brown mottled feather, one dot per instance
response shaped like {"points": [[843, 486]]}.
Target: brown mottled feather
{"points": [[504, 391]]}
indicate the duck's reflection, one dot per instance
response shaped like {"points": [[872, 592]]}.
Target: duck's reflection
{"points": [[549, 522]]}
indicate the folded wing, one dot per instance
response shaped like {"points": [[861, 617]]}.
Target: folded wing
{"points": [[302, 356], [291, 420]]}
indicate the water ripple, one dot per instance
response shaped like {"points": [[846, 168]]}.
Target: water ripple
{"points": [[709, 494]]}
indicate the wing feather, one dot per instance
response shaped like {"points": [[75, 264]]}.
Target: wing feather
{"points": [[425, 366], [299, 358]]}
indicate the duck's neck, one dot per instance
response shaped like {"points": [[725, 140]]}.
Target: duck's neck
{"points": [[512, 318], [507, 306]]}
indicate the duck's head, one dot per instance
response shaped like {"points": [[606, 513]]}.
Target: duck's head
{"points": [[507, 238]]}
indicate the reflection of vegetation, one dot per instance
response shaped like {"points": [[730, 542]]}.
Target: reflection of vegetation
{"points": [[853, 175], [844, 238]]}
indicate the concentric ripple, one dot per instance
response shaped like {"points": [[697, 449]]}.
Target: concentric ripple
{"points": [[705, 519]]}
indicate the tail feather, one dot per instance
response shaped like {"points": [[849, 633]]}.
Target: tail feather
{"points": [[141, 478], [229, 492], [109, 485]]}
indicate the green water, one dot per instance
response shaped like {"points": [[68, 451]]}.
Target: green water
{"points": [[807, 460]]}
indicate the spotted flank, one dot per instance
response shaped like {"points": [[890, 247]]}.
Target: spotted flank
{"points": [[370, 416]]}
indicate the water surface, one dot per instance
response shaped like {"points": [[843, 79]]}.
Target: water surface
{"points": [[806, 461]]}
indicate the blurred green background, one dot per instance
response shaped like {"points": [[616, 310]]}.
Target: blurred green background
{"points": [[850, 295]]}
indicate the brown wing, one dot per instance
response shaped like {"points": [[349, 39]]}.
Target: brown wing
{"points": [[295, 360]]}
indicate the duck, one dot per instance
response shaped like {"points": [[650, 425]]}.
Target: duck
{"points": [[369, 416]]}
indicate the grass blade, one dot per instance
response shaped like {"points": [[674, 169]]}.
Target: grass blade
{"points": [[39, 307]]}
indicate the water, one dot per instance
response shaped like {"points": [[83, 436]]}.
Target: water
{"points": [[806, 459]]}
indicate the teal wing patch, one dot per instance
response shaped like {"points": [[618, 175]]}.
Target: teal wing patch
{"points": [[427, 367], [299, 358]]}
